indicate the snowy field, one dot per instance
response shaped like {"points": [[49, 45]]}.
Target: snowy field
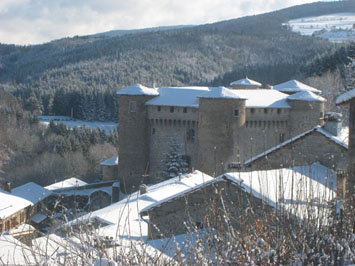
{"points": [[107, 126], [334, 27]]}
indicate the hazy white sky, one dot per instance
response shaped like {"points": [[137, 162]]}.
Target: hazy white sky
{"points": [[38, 21]]}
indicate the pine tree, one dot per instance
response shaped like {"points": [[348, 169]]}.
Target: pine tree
{"points": [[175, 163]]}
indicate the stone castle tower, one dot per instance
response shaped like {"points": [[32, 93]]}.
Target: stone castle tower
{"points": [[221, 121], [217, 128], [133, 141]]}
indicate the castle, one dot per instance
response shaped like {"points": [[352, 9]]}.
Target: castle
{"points": [[218, 129]]}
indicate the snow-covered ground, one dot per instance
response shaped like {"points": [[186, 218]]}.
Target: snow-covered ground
{"points": [[107, 126], [334, 27]]}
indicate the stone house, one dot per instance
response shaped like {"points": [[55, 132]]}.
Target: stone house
{"points": [[348, 99], [109, 168], [230, 195], [20, 205], [315, 145], [218, 128]]}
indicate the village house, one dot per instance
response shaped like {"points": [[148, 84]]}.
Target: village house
{"points": [[217, 129], [300, 191], [109, 168], [326, 144], [348, 99], [22, 205]]}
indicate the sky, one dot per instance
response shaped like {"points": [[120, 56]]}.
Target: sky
{"points": [[37, 21]]}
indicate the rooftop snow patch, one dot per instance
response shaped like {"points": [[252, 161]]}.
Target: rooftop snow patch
{"points": [[31, 192], [345, 97], [306, 96], [294, 86], [178, 96], [264, 98], [222, 92], [111, 161], [246, 82], [138, 89], [10, 204], [68, 183]]}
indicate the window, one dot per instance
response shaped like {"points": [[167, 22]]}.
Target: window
{"points": [[236, 112], [234, 165], [171, 109], [321, 114], [265, 110], [132, 106], [153, 131], [190, 135], [185, 110], [252, 110], [278, 111], [159, 108], [282, 137]]}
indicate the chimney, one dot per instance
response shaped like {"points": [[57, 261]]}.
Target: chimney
{"points": [[115, 192], [333, 123], [8, 187], [143, 189]]}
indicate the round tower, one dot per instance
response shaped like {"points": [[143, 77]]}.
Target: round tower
{"points": [[133, 136], [307, 111], [220, 130], [245, 84]]}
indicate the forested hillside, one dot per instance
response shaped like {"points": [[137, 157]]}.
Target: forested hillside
{"points": [[84, 72], [30, 151]]}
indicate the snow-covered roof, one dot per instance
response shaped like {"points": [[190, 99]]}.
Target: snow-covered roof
{"points": [[189, 97], [178, 96], [341, 140], [293, 86], [246, 82], [345, 97], [222, 92], [68, 183], [22, 228], [264, 98], [138, 89], [38, 218], [14, 252], [300, 185], [111, 161], [123, 217], [303, 190], [10, 204], [31, 192], [306, 96]]}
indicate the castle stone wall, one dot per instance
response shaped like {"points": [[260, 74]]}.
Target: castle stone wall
{"points": [[162, 133], [133, 141], [220, 134], [305, 115]]}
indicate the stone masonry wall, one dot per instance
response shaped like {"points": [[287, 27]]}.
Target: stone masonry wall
{"points": [[220, 134], [314, 147], [133, 141], [166, 125], [202, 208]]}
